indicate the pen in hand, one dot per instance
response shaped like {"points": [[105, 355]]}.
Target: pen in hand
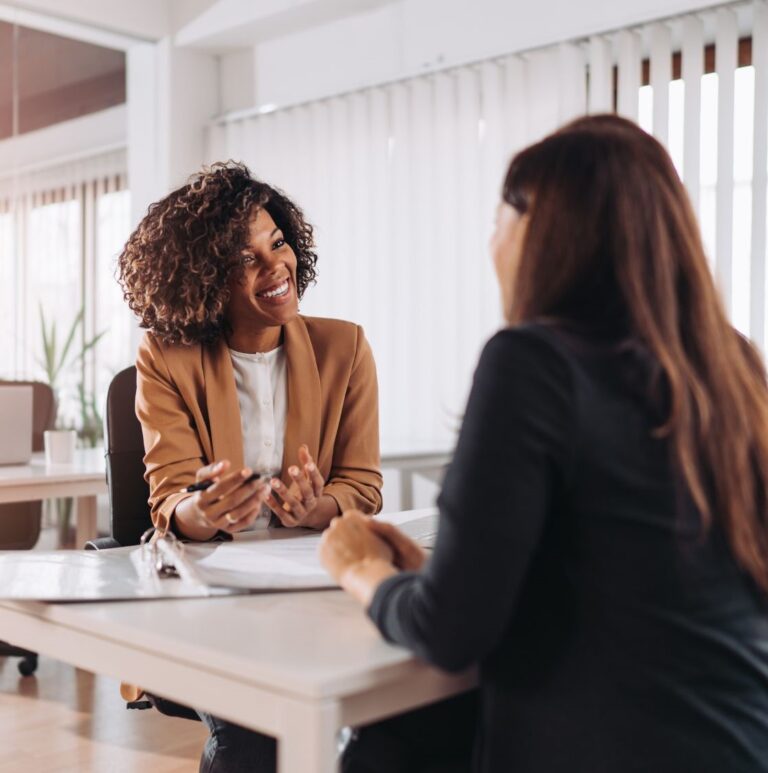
{"points": [[202, 485]]}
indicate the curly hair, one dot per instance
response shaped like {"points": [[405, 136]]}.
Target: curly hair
{"points": [[175, 267]]}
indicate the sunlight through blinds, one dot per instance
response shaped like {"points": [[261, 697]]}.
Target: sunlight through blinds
{"points": [[661, 77], [692, 72], [759, 253], [726, 59]]}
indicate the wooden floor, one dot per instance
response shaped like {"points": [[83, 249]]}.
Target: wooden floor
{"points": [[65, 720]]}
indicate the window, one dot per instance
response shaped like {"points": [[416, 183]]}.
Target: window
{"points": [[59, 246], [743, 118], [111, 312], [8, 284]]}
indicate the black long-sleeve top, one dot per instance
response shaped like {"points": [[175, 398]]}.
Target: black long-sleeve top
{"points": [[612, 634]]}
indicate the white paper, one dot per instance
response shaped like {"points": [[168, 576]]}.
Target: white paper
{"points": [[294, 557], [284, 559]]}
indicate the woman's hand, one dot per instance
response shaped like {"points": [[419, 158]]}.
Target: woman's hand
{"points": [[231, 504], [302, 502], [408, 555], [355, 556]]}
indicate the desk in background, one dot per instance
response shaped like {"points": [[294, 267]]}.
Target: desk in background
{"points": [[411, 459], [84, 479], [299, 666]]}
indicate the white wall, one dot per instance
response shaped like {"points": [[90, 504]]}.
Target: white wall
{"points": [[146, 19], [142, 128], [188, 95], [417, 36], [237, 80], [172, 94]]}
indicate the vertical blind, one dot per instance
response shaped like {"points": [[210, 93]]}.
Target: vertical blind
{"points": [[402, 181]]}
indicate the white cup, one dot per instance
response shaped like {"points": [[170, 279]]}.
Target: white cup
{"points": [[59, 446]]}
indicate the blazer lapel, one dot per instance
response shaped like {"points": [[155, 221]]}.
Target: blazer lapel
{"points": [[304, 396], [223, 405]]}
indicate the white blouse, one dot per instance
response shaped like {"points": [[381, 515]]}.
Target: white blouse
{"points": [[261, 381]]}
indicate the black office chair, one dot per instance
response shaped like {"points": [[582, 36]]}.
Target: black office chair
{"points": [[20, 521], [124, 454], [129, 513]]}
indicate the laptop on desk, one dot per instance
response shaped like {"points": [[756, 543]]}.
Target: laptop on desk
{"points": [[15, 424]]}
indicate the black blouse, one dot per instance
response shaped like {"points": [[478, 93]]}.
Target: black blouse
{"points": [[612, 634]]}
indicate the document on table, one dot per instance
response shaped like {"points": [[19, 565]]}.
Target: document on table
{"points": [[284, 559], [88, 575], [264, 560]]}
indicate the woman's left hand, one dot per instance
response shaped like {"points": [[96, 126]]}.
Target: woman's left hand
{"points": [[301, 502], [349, 543]]}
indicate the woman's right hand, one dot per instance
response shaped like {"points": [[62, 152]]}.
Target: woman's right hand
{"points": [[231, 504], [408, 555]]}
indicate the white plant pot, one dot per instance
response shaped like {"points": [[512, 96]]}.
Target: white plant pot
{"points": [[59, 446]]}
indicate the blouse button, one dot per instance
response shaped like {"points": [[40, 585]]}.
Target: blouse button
{"points": [[267, 442]]}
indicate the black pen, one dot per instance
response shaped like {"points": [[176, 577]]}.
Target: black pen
{"points": [[204, 484]]}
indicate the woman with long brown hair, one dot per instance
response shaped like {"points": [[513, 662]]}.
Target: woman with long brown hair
{"points": [[603, 545]]}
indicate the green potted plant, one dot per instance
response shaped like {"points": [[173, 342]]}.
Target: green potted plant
{"points": [[56, 361]]}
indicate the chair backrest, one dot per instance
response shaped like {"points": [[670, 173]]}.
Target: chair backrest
{"points": [[124, 452], [20, 521]]}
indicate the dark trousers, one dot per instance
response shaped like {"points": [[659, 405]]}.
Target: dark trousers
{"points": [[233, 749], [435, 739]]}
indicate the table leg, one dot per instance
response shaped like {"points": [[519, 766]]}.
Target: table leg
{"points": [[406, 490], [310, 744], [85, 528]]}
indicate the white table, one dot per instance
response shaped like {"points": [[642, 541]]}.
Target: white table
{"points": [[84, 480], [298, 666], [425, 459]]}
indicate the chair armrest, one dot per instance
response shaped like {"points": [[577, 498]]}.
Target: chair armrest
{"points": [[102, 543]]}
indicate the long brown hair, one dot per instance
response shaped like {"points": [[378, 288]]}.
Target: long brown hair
{"points": [[612, 243]]}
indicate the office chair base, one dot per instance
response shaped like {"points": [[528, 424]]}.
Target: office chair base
{"points": [[102, 543], [28, 664], [172, 709]]}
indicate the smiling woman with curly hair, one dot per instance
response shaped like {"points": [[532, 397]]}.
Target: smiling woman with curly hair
{"points": [[177, 265], [274, 415]]}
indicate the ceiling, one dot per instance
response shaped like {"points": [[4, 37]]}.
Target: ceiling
{"points": [[212, 25]]}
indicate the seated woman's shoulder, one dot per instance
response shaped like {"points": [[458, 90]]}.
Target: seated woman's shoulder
{"points": [[527, 347], [337, 343], [153, 342], [528, 337], [326, 328], [153, 347]]}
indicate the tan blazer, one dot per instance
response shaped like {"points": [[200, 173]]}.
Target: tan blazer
{"points": [[187, 403], [186, 400]]}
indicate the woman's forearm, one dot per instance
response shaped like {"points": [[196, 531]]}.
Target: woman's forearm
{"points": [[361, 580]]}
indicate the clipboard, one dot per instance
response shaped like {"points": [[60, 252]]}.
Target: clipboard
{"points": [[163, 566]]}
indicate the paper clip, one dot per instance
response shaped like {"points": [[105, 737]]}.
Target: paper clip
{"points": [[157, 556]]}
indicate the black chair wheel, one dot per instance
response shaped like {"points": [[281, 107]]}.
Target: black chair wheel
{"points": [[28, 665]]}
